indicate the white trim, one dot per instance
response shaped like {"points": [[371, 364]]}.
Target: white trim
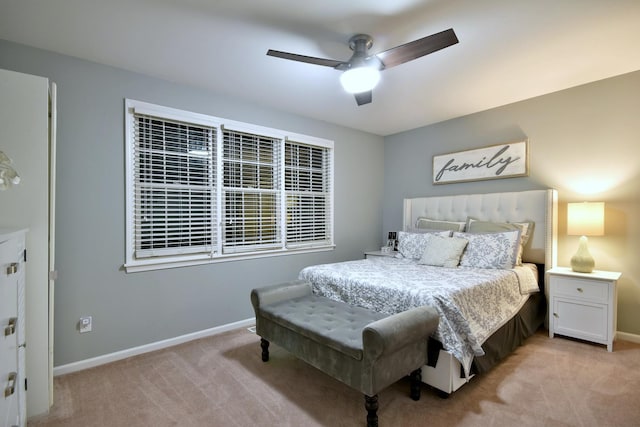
{"points": [[626, 336], [309, 140], [162, 112], [149, 266], [158, 345], [129, 178], [146, 108], [53, 131]]}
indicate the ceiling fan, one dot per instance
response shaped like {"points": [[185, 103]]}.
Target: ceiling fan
{"points": [[362, 71]]}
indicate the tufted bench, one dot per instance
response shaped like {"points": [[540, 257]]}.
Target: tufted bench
{"points": [[364, 349]]}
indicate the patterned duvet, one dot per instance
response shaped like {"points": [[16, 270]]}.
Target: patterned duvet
{"points": [[472, 302]]}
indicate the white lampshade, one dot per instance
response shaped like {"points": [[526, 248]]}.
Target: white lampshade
{"points": [[585, 219], [360, 79]]}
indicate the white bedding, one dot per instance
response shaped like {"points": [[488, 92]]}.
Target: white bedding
{"points": [[472, 302]]}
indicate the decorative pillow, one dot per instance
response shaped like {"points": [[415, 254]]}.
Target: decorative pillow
{"points": [[443, 251], [433, 224], [412, 245], [527, 230], [525, 227], [423, 230], [490, 250]]}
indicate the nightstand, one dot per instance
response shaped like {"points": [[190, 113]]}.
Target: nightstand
{"points": [[583, 305], [371, 254]]}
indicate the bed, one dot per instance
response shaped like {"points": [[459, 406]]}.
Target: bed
{"points": [[489, 302]]}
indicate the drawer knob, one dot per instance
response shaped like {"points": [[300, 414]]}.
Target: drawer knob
{"points": [[11, 388], [555, 315], [580, 290], [12, 268], [10, 329]]}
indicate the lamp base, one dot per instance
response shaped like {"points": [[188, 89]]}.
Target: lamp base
{"points": [[582, 261]]}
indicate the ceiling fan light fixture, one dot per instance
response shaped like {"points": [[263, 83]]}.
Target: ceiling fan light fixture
{"points": [[360, 79], [361, 72]]}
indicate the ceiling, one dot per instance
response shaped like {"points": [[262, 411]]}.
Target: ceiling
{"points": [[509, 50]]}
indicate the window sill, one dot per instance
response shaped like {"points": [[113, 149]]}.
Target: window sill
{"points": [[165, 263]]}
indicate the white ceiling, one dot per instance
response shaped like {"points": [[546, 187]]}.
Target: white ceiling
{"points": [[509, 50]]}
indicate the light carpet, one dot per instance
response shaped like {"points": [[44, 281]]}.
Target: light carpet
{"points": [[221, 381]]}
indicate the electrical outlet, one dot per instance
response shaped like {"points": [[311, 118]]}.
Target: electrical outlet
{"points": [[85, 324]]}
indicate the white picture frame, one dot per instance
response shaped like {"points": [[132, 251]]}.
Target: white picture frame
{"points": [[498, 161]]}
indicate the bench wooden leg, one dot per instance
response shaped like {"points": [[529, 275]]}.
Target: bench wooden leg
{"points": [[265, 349], [371, 405], [416, 384]]}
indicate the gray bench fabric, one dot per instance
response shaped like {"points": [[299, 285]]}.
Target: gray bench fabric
{"points": [[365, 350], [327, 322]]}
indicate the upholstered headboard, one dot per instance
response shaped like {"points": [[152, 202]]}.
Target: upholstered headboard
{"points": [[539, 206]]}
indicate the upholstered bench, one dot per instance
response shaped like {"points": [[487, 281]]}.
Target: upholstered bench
{"points": [[364, 349]]}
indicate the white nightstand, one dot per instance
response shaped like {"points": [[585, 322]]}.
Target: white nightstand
{"points": [[583, 305], [371, 254]]}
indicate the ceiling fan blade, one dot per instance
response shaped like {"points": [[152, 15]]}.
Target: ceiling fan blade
{"points": [[363, 98], [303, 58], [417, 48]]}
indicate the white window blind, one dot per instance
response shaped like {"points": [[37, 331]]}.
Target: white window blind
{"points": [[251, 189], [308, 191], [174, 195], [198, 191]]}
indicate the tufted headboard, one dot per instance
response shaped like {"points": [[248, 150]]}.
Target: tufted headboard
{"points": [[539, 206]]}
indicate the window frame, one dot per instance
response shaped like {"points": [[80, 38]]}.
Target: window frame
{"points": [[134, 108]]}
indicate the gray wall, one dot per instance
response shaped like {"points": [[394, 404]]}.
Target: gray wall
{"points": [[134, 309], [584, 142], [576, 136]]}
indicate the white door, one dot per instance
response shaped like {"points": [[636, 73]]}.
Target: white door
{"points": [[24, 137]]}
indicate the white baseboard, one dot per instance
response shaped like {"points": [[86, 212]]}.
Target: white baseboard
{"points": [[119, 355], [625, 336]]}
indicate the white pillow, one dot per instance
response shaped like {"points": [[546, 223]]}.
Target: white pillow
{"points": [[443, 251], [436, 224], [412, 245], [490, 250]]}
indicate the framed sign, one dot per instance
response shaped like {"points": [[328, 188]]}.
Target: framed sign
{"points": [[496, 161]]}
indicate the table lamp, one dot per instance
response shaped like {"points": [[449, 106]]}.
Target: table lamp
{"points": [[584, 219]]}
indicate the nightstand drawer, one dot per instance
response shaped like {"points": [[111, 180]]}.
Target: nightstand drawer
{"points": [[581, 289]]}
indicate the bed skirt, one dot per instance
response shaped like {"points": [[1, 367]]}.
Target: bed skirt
{"points": [[506, 339]]}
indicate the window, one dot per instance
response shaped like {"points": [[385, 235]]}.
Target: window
{"points": [[204, 189], [251, 189], [308, 194]]}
